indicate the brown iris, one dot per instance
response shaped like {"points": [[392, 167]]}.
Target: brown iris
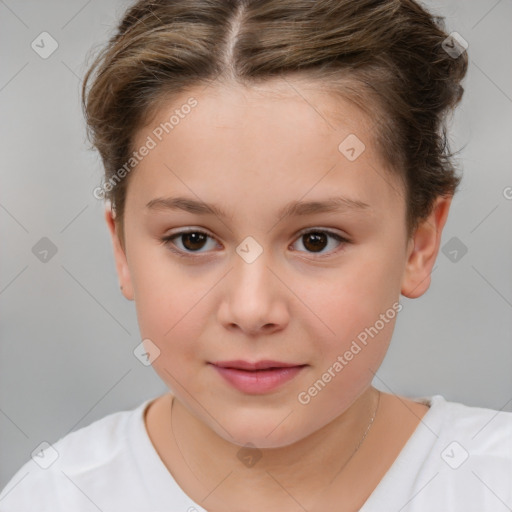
{"points": [[316, 241]]}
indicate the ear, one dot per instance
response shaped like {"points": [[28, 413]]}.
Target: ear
{"points": [[423, 249], [123, 271]]}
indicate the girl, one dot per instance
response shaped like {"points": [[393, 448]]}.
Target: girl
{"points": [[277, 175]]}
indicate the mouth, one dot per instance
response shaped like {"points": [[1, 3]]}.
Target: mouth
{"points": [[256, 366], [257, 377]]}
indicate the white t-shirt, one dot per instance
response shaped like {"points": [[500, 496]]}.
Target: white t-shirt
{"points": [[459, 458]]}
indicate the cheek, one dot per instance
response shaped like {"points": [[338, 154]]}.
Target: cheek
{"points": [[356, 304], [169, 302], [346, 360]]}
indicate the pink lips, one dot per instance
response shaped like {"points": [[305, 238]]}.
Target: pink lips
{"points": [[259, 377]]}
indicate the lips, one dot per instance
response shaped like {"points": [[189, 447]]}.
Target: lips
{"points": [[258, 365], [259, 377]]}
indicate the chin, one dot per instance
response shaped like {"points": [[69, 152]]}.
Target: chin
{"points": [[271, 433]]}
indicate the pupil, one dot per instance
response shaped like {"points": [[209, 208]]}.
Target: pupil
{"points": [[197, 240], [318, 241]]}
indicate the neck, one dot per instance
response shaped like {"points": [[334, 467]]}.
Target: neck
{"points": [[311, 463]]}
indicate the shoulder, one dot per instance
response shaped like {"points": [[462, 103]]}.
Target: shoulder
{"points": [[459, 458], [486, 430], [471, 452], [480, 432], [60, 472]]}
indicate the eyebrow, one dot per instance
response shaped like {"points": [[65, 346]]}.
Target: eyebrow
{"points": [[294, 208]]}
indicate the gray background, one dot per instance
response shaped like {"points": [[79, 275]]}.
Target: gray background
{"points": [[68, 335]]}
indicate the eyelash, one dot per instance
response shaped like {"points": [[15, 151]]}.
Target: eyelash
{"points": [[167, 240]]}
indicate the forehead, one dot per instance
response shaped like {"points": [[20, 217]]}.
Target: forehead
{"points": [[284, 140]]}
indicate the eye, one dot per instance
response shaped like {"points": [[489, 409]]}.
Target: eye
{"points": [[315, 240], [191, 241]]}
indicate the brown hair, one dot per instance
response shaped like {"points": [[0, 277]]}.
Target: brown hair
{"points": [[385, 55]]}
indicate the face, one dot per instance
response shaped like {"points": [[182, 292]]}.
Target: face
{"points": [[318, 288]]}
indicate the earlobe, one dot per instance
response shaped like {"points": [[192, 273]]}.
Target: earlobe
{"points": [[423, 249], [123, 272]]}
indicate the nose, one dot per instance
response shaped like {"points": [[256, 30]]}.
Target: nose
{"points": [[254, 298]]}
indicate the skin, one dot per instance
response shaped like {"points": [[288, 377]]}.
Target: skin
{"points": [[252, 151]]}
